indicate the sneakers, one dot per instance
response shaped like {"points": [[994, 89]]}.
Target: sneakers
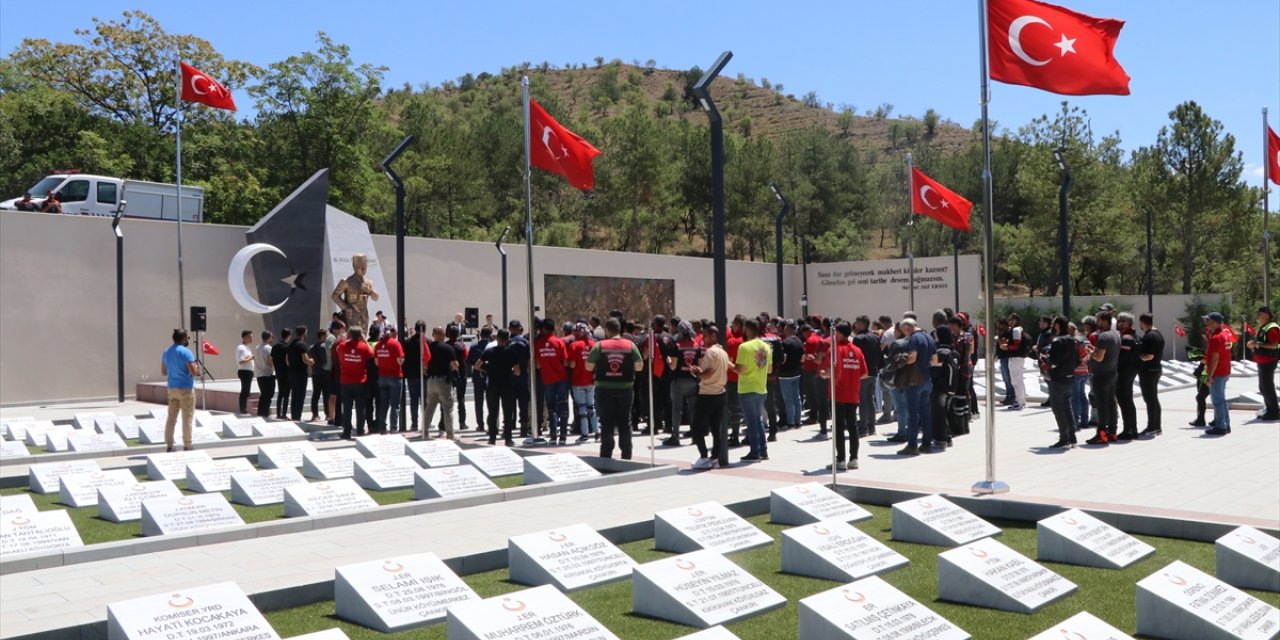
{"points": [[671, 442], [886, 419], [895, 438], [1269, 417], [840, 466], [1218, 431], [821, 436], [932, 448], [1150, 431], [582, 439], [1062, 444], [773, 437], [751, 457], [509, 442], [562, 441], [909, 450], [1196, 423], [1126, 436], [1101, 438], [733, 443], [706, 464]]}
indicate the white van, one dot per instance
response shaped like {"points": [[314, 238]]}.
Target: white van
{"points": [[92, 195]]}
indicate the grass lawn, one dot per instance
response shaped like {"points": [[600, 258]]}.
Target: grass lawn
{"points": [[1110, 595], [94, 529]]}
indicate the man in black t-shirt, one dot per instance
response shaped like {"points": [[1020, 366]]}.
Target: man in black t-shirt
{"points": [[412, 369], [452, 333], [496, 363], [1150, 353], [1127, 374], [790, 371], [319, 353], [280, 359], [299, 361], [869, 343]]}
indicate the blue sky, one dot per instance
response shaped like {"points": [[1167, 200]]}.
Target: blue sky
{"points": [[916, 55]]}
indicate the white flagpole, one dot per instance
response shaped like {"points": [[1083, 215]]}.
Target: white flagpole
{"points": [[1266, 213], [653, 461], [911, 236], [528, 242], [182, 291], [831, 390]]}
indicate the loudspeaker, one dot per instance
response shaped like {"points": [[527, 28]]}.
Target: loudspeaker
{"points": [[198, 319], [472, 317]]}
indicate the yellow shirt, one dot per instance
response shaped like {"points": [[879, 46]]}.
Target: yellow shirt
{"points": [[756, 359]]}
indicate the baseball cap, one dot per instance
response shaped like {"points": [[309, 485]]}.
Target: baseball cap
{"points": [[1216, 317], [515, 324]]}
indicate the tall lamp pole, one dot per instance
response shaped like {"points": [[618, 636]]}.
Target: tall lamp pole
{"points": [[400, 232], [804, 276], [1064, 253], [115, 227], [777, 251], [702, 90], [502, 251], [1150, 277]]}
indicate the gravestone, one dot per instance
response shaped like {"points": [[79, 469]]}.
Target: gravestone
{"points": [[214, 612], [450, 482], [434, 453], [495, 462], [13, 449], [188, 514], [88, 420], [173, 466], [1180, 602], [812, 502], [236, 428], [95, 442], [570, 558], [19, 504], [325, 498], [986, 573], [160, 413], [556, 467], [1248, 559], [203, 435], [701, 589], [714, 633], [707, 525], [214, 475], [38, 532], [330, 464], [381, 446], [43, 477], [123, 503], [126, 427], [104, 424], [59, 441], [282, 455], [265, 429], [257, 488], [937, 521], [1075, 537], [398, 594], [836, 550], [151, 430], [205, 420], [16, 429], [81, 489], [516, 615], [871, 609], [385, 473], [328, 634], [1082, 625], [37, 432]]}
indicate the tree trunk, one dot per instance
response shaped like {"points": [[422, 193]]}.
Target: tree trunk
{"points": [[1188, 264]]}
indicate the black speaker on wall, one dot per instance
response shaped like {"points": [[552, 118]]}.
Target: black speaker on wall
{"points": [[472, 317], [198, 319]]}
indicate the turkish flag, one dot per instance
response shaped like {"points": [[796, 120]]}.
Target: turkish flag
{"points": [[558, 150], [1054, 48], [209, 348], [1273, 154], [928, 198], [1182, 333], [198, 87]]}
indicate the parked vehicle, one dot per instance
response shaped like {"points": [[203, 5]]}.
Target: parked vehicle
{"points": [[93, 195]]}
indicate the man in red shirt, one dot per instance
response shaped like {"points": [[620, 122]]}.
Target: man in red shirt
{"points": [[1217, 370], [850, 369], [733, 340], [353, 359], [1266, 353], [390, 357], [584, 384], [817, 348], [552, 358]]}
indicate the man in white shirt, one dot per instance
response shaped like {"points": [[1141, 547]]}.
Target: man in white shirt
{"points": [[265, 371], [244, 368]]}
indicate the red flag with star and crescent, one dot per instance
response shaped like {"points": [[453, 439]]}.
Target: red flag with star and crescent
{"points": [[928, 198], [1273, 154], [1048, 47], [558, 150], [197, 86]]}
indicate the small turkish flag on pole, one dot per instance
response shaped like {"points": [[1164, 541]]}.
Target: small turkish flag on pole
{"points": [[558, 150], [1182, 333], [209, 348], [1048, 47], [199, 87], [928, 198], [1273, 155]]}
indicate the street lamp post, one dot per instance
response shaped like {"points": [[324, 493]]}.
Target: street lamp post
{"points": [[1064, 254], [786, 208], [115, 227], [1150, 278], [804, 276], [701, 89], [502, 251], [400, 233]]}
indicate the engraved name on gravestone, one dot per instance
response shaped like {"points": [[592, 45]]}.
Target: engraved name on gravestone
{"points": [[812, 502], [214, 612], [836, 550], [1082, 625], [81, 489], [708, 525], [88, 442], [330, 464], [16, 429], [265, 486], [386, 472], [324, 498], [937, 521], [58, 441], [871, 609], [570, 558], [541, 612], [1180, 602], [450, 482], [126, 427], [43, 477], [17, 504], [398, 594], [214, 475], [283, 455], [185, 514], [173, 466], [556, 467], [277, 430], [89, 419], [233, 427], [434, 453], [13, 449], [38, 431], [989, 574], [495, 462], [39, 532], [123, 503], [700, 589], [1248, 559], [1075, 537], [381, 445]]}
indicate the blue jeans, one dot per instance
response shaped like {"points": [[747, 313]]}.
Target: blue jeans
{"points": [[1007, 379], [753, 418], [557, 397], [1080, 401], [1218, 393], [584, 410], [390, 391], [902, 409], [791, 399], [921, 424]]}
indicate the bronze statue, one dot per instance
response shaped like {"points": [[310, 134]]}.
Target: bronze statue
{"points": [[353, 293]]}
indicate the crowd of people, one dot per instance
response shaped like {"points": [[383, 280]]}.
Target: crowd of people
{"points": [[769, 374]]}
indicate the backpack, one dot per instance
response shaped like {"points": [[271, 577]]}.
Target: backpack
{"points": [[946, 374]]}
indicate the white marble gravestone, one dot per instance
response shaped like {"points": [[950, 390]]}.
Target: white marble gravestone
{"points": [[187, 514], [39, 532], [173, 466], [124, 503], [495, 462], [328, 634], [1180, 602], [81, 489], [38, 432], [13, 449], [398, 594], [233, 427], [214, 475], [714, 633], [812, 502], [937, 521], [701, 589], [281, 455], [59, 441], [450, 482], [986, 573], [384, 445], [707, 525], [1075, 537], [126, 427], [514, 616], [151, 430], [43, 477], [19, 504], [215, 612], [385, 473], [836, 550], [434, 453], [871, 609], [87, 442], [556, 467], [1082, 625], [1248, 559], [89, 419], [330, 464], [570, 558], [261, 487], [16, 428], [325, 498], [264, 429]]}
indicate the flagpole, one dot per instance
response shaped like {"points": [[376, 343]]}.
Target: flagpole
{"points": [[528, 242], [835, 421], [955, 265], [911, 232], [1266, 213], [182, 291], [989, 484]]}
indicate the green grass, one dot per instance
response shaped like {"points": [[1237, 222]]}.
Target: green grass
{"points": [[1110, 595], [94, 530]]}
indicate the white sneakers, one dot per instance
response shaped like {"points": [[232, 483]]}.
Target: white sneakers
{"points": [[706, 463], [844, 466]]}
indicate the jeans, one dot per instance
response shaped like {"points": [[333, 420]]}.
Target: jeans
{"points": [[557, 399], [415, 398], [320, 392], [1124, 396], [791, 399], [684, 398], [353, 396], [902, 407], [584, 410], [1217, 391], [1104, 392], [1080, 400], [1007, 379], [867, 405], [1061, 397], [501, 401], [920, 424], [479, 384], [390, 393], [266, 390], [439, 394], [1149, 382], [879, 393], [1267, 387], [180, 400], [246, 386], [753, 417], [297, 393], [614, 406], [709, 419], [846, 424], [889, 401]]}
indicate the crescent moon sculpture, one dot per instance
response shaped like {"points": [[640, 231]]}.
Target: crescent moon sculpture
{"points": [[1015, 38], [235, 278]]}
